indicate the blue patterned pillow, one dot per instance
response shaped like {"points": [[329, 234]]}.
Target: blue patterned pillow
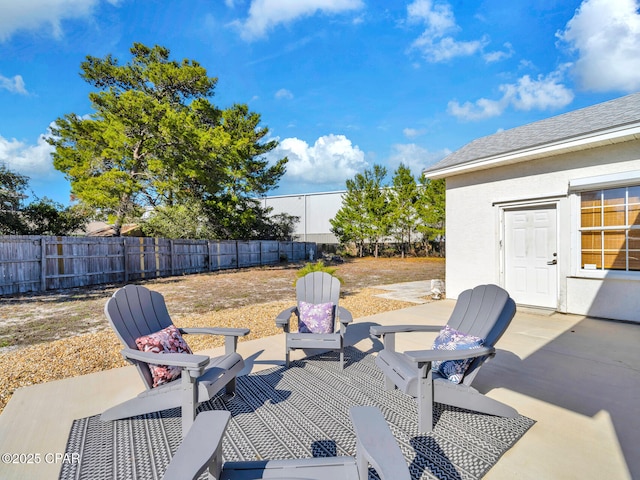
{"points": [[450, 339], [315, 317]]}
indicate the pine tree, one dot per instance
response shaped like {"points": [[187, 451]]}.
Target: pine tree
{"points": [[156, 140], [362, 219], [403, 207], [432, 212]]}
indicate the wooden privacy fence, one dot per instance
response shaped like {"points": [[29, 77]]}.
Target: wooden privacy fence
{"points": [[39, 263]]}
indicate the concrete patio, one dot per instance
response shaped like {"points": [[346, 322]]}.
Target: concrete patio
{"points": [[576, 377]]}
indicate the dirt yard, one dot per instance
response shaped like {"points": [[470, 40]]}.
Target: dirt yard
{"points": [[71, 328]]}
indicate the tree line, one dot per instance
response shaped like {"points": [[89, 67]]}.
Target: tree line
{"points": [[404, 213], [41, 216], [157, 152]]}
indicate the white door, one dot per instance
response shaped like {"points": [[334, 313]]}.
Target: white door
{"points": [[531, 256]]}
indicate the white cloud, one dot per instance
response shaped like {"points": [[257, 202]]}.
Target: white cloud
{"points": [[413, 156], [498, 55], [436, 42], [34, 161], [606, 36], [14, 85], [413, 132], [331, 159], [283, 93], [266, 14], [36, 14], [544, 93], [438, 18], [480, 109]]}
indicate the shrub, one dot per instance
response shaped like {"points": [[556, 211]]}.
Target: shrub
{"points": [[319, 266]]}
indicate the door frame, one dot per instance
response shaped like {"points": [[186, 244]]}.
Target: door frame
{"points": [[502, 208]]}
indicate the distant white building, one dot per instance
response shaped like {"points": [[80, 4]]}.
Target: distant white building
{"points": [[315, 211]]}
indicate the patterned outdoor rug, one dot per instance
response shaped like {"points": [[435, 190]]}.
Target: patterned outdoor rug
{"points": [[299, 412]]}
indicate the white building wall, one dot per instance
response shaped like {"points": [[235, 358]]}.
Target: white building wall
{"points": [[315, 211], [474, 253]]}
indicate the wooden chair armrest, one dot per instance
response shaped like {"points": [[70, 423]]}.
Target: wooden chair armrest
{"points": [[231, 335], [236, 332], [201, 448], [425, 356], [194, 363], [344, 316], [380, 330], [376, 445], [283, 318], [388, 332]]}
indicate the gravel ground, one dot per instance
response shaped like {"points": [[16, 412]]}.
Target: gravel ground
{"points": [[249, 298]]}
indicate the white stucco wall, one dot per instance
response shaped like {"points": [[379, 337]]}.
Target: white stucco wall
{"points": [[474, 202]]}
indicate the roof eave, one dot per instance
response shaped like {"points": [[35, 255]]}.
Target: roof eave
{"points": [[575, 144]]}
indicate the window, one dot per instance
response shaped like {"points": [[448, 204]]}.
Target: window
{"points": [[610, 229]]}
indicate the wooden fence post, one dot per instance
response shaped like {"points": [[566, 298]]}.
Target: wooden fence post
{"points": [[210, 250], [156, 251], [43, 264], [171, 259], [60, 250], [125, 268]]}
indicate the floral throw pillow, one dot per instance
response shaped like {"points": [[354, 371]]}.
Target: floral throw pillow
{"points": [[315, 317], [167, 340], [451, 339]]}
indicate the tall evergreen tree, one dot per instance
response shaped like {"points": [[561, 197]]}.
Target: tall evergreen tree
{"points": [[403, 207], [46, 217], [38, 217], [12, 188], [349, 224], [432, 212], [155, 139], [362, 219]]}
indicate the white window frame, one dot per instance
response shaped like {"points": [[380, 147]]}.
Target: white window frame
{"points": [[590, 184]]}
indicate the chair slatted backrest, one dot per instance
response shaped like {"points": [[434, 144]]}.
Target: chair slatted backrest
{"points": [[485, 311], [134, 311], [318, 287]]}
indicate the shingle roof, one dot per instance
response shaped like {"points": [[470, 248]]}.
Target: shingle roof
{"points": [[578, 123]]}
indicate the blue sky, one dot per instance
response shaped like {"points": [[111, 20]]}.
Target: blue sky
{"points": [[342, 84]]}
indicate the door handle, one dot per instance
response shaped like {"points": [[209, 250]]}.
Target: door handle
{"points": [[552, 262]]}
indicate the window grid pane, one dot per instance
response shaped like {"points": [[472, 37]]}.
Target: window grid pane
{"points": [[592, 250], [591, 217], [634, 215], [615, 250], [609, 221], [614, 216], [591, 199], [633, 244], [633, 194], [615, 196]]}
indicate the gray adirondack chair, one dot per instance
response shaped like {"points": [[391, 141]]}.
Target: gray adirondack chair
{"points": [[485, 311], [134, 311], [316, 287], [375, 445]]}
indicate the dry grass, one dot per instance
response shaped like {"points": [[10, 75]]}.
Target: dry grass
{"points": [[65, 334]]}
